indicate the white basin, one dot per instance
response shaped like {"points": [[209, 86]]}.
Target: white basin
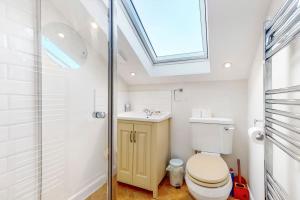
{"points": [[140, 116]]}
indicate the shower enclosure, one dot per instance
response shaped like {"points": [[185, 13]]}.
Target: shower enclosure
{"points": [[56, 88]]}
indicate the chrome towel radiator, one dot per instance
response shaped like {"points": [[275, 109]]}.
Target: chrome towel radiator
{"points": [[282, 107]]}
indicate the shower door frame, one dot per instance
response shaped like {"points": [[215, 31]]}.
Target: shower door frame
{"points": [[112, 69], [286, 31], [38, 92]]}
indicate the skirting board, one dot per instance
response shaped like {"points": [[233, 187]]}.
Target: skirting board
{"points": [[251, 196], [89, 189]]}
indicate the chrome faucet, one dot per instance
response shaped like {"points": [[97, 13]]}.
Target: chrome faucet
{"points": [[148, 112]]}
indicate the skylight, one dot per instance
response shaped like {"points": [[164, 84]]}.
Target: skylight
{"points": [[170, 30]]}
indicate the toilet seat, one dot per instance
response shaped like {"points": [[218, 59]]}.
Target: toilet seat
{"points": [[208, 185], [208, 170]]}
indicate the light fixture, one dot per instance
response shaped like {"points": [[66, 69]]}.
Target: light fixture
{"points": [[94, 25], [61, 35], [132, 74], [227, 65]]}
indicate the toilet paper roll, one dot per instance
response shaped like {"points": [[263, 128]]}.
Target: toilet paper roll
{"points": [[253, 132]]}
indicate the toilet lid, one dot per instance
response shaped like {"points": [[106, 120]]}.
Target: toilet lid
{"points": [[207, 168], [209, 185]]}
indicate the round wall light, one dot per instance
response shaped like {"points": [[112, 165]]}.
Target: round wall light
{"points": [[61, 35], [227, 65], [94, 25]]}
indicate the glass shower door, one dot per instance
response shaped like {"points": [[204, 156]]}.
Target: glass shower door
{"points": [[74, 78], [54, 109]]}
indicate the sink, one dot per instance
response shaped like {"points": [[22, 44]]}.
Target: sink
{"points": [[141, 116]]}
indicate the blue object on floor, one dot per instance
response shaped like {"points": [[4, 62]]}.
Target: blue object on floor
{"points": [[232, 178]]}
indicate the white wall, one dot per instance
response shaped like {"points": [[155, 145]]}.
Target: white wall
{"points": [[286, 72], [18, 136], [223, 98], [255, 111], [123, 95], [153, 100], [255, 80]]}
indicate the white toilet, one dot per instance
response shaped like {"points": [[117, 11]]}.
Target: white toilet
{"points": [[207, 174]]}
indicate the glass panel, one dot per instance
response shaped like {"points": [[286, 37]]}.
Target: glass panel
{"points": [[174, 27], [74, 87]]}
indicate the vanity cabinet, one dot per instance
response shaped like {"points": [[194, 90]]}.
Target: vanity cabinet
{"points": [[143, 153]]}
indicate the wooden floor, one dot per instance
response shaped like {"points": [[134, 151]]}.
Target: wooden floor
{"points": [[126, 192]]}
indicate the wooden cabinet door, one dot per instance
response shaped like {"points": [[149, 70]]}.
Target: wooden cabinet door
{"points": [[125, 152], [142, 155]]}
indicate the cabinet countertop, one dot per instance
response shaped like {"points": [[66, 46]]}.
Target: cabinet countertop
{"points": [[140, 116]]}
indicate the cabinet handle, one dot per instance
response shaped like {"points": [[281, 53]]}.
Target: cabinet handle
{"points": [[131, 136], [134, 140]]}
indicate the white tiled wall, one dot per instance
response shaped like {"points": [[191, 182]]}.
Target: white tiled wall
{"points": [[17, 101], [153, 100]]}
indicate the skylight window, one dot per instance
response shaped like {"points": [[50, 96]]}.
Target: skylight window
{"points": [[170, 30]]}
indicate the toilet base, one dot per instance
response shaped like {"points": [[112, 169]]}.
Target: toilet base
{"points": [[204, 193]]}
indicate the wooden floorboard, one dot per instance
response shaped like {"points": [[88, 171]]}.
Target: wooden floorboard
{"points": [[127, 192]]}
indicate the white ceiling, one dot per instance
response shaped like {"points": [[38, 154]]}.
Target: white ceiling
{"points": [[235, 28]]}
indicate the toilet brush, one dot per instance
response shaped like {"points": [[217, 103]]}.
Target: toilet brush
{"points": [[240, 189]]}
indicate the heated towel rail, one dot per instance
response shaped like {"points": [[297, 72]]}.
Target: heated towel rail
{"points": [[282, 126]]}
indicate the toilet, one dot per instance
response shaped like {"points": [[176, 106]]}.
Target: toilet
{"points": [[207, 174]]}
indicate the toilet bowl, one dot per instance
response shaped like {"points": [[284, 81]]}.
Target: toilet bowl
{"points": [[207, 177]]}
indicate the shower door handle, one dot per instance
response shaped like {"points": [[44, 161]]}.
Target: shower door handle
{"points": [[99, 115]]}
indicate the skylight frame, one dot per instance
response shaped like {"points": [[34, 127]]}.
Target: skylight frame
{"points": [[138, 26]]}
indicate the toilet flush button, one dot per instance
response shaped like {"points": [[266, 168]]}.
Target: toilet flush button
{"points": [[229, 128]]}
